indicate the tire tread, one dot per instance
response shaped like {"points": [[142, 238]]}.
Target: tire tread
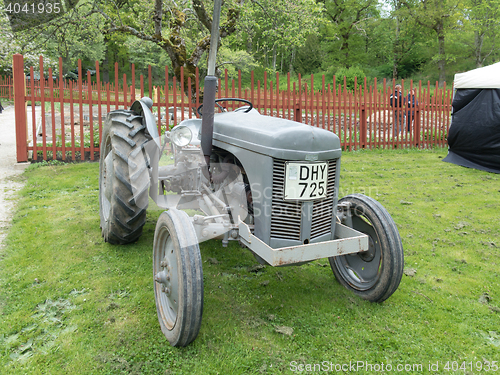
{"points": [[126, 134], [188, 323], [383, 289]]}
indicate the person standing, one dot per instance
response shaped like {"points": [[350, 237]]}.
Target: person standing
{"points": [[396, 102], [412, 104]]}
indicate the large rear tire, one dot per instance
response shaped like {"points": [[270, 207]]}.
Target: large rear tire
{"points": [[375, 274], [123, 177], [178, 276]]}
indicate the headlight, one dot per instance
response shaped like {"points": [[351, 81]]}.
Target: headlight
{"points": [[181, 136]]}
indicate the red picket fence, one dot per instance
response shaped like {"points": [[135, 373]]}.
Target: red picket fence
{"points": [[67, 120], [6, 85]]}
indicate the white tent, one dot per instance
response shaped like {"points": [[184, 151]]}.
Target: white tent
{"points": [[487, 77]]}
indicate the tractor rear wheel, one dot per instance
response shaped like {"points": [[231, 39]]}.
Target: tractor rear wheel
{"points": [[123, 177], [374, 274]]}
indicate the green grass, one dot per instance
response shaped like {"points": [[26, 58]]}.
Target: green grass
{"points": [[72, 304]]}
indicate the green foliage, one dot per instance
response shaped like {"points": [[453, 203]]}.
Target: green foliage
{"points": [[280, 27], [482, 20], [346, 30], [75, 35], [350, 75], [428, 39], [309, 58], [11, 44], [434, 135], [232, 61], [142, 54], [44, 163], [438, 16]]}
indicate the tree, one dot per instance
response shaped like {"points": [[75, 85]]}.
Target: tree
{"points": [[347, 18], [181, 29], [280, 26], [397, 50], [10, 45], [407, 35], [70, 36], [484, 17], [436, 15], [170, 25], [74, 37]]}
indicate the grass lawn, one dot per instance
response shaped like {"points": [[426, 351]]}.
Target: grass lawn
{"points": [[72, 304]]}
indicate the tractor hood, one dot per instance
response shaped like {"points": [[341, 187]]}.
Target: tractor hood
{"points": [[275, 137]]}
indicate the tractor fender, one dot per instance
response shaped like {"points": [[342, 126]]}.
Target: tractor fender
{"points": [[143, 108]]}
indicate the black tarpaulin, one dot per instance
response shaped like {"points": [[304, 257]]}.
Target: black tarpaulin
{"points": [[474, 136]]}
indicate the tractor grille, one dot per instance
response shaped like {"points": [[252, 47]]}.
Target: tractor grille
{"points": [[286, 215], [323, 210]]}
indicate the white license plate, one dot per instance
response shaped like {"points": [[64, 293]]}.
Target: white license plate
{"points": [[305, 181]]}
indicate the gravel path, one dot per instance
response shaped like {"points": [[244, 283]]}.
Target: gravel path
{"points": [[10, 170]]}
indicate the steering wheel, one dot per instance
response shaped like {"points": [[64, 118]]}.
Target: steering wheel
{"points": [[228, 100]]}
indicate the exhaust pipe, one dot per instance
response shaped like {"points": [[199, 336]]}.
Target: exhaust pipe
{"points": [[207, 122]]}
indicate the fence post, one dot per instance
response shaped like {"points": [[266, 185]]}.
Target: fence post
{"points": [[417, 126], [20, 108], [362, 126], [297, 115]]}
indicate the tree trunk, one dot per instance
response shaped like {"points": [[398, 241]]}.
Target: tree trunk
{"points": [[105, 69], [274, 57], [345, 49], [478, 46], [396, 50], [175, 44], [249, 45], [442, 57]]}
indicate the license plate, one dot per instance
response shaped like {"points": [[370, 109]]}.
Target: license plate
{"points": [[305, 181]]}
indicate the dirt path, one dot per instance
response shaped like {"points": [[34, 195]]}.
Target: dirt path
{"points": [[10, 170]]}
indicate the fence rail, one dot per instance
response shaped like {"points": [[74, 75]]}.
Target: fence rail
{"points": [[6, 85], [65, 118]]}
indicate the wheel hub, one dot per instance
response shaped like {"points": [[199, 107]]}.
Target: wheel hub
{"points": [[369, 254], [163, 277], [361, 270], [167, 285]]}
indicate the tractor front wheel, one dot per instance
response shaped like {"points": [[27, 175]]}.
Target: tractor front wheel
{"points": [[178, 276], [374, 274], [123, 177]]}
